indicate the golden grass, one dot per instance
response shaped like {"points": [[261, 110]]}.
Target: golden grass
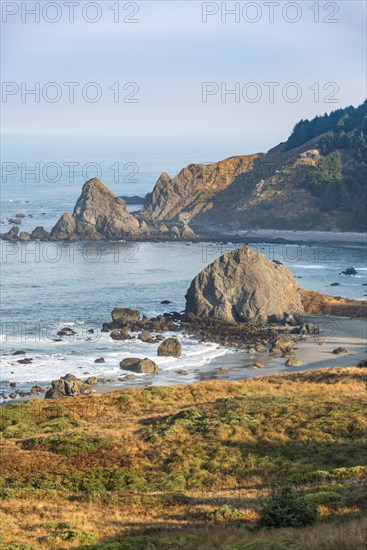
{"points": [[125, 416]]}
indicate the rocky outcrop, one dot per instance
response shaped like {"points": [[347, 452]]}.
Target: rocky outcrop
{"points": [[276, 189], [101, 215], [98, 214], [143, 366], [66, 386], [243, 286], [184, 196], [170, 347]]}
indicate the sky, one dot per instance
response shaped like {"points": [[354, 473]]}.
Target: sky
{"points": [[162, 56]]}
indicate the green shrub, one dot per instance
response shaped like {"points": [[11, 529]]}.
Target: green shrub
{"points": [[285, 508], [68, 444], [226, 514], [322, 497], [7, 493], [58, 424]]}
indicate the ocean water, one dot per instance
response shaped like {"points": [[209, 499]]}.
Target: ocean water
{"points": [[45, 286]]}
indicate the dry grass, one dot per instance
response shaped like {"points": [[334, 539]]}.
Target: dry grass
{"points": [[182, 452]]}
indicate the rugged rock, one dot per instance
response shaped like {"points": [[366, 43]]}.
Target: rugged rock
{"points": [[350, 271], [243, 286], [40, 234], [91, 381], [120, 334], [11, 235], [266, 190], [125, 315], [66, 386], [188, 193], [145, 336], [100, 360], [24, 236], [65, 228], [170, 347], [144, 366], [293, 362], [98, 214]]}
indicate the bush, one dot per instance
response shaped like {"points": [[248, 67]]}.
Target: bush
{"points": [[68, 444], [285, 508], [322, 497], [226, 514]]}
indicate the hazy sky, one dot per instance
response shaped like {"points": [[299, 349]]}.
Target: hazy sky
{"points": [[169, 52]]}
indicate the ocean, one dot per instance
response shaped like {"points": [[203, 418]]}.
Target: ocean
{"points": [[45, 286]]}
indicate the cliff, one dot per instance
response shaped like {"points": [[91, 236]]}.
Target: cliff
{"points": [[314, 181]]}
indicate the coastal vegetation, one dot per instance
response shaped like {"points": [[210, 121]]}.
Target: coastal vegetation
{"points": [[274, 462]]}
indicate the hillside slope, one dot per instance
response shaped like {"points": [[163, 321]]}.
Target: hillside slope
{"points": [[315, 180]]}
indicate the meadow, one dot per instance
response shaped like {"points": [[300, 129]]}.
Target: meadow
{"points": [[187, 467]]}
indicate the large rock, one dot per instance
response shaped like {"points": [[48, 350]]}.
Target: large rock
{"points": [[66, 386], [98, 214], [144, 366], [243, 286], [170, 347], [125, 315]]}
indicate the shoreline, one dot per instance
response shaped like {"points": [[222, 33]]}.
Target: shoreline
{"points": [[240, 236], [235, 365]]}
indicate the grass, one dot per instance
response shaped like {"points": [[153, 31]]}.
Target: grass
{"points": [[176, 467]]}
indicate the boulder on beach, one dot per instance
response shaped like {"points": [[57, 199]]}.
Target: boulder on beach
{"points": [[143, 366], [67, 386], [241, 286], [170, 347]]}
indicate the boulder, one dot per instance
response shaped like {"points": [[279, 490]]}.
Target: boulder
{"points": [[66, 386], [91, 380], [350, 271], [118, 334], [170, 347], [135, 364], [125, 315], [12, 234], [99, 360], [293, 362], [16, 221], [24, 236], [243, 286], [145, 336], [40, 234], [340, 350]]}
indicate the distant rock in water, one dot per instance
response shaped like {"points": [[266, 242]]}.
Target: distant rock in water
{"points": [[101, 215], [243, 286], [98, 214], [135, 199]]}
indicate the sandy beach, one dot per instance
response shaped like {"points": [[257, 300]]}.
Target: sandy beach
{"points": [[316, 352]]}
